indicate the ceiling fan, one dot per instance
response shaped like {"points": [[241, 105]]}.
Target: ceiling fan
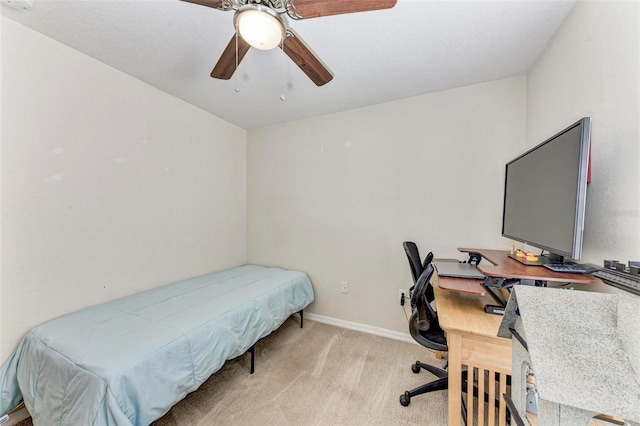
{"points": [[263, 24]]}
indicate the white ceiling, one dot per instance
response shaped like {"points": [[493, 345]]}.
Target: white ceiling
{"points": [[415, 48]]}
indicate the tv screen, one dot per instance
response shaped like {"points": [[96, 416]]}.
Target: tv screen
{"points": [[545, 193]]}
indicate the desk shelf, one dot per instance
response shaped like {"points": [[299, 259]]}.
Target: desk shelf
{"points": [[502, 266]]}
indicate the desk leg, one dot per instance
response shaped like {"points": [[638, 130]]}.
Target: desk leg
{"points": [[482, 358], [454, 343]]}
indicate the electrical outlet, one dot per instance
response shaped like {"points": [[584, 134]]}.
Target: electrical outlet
{"points": [[402, 296], [345, 287]]}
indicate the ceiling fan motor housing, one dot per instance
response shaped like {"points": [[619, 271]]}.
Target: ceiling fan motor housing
{"points": [[261, 26]]}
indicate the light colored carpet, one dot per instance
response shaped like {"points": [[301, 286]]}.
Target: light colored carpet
{"points": [[318, 375]]}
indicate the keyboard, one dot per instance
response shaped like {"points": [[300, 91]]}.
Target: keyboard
{"points": [[572, 268]]}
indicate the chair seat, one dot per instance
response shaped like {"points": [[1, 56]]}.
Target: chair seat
{"points": [[435, 334]]}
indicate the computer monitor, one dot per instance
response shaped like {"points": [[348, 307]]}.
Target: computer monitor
{"points": [[545, 194]]}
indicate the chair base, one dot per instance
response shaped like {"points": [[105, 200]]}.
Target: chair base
{"points": [[441, 384], [436, 385], [438, 372]]}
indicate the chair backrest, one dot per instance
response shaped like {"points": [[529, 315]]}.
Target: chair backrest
{"points": [[423, 317], [418, 298], [413, 255], [417, 266], [429, 292], [427, 260]]}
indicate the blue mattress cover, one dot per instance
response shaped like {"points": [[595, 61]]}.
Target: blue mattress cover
{"points": [[130, 360]]}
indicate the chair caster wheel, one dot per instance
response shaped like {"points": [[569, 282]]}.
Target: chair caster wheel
{"points": [[405, 399], [415, 368]]}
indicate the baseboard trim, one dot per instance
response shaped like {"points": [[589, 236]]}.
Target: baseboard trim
{"points": [[383, 332]]}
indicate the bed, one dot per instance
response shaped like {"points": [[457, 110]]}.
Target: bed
{"points": [[127, 362]]}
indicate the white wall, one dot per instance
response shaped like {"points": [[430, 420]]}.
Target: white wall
{"points": [[109, 186], [592, 68], [336, 195]]}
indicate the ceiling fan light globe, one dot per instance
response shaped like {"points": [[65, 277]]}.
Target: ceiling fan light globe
{"points": [[260, 28]]}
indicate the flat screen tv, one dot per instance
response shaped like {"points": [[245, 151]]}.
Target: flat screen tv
{"points": [[545, 194]]}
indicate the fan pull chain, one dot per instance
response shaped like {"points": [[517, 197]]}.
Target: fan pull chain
{"points": [[282, 65]]}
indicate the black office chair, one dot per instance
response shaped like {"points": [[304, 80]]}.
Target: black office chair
{"points": [[417, 265], [424, 328]]}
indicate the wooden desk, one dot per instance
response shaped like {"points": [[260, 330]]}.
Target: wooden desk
{"points": [[472, 334], [473, 343]]}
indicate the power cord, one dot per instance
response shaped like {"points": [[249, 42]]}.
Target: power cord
{"points": [[404, 309]]}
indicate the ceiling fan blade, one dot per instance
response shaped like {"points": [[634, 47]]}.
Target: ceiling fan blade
{"points": [[316, 8], [303, 56], [217, 4], [227, 64]]}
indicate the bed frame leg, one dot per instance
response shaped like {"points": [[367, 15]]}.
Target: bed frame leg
{"points": [[252, 350], [301, 318]]}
